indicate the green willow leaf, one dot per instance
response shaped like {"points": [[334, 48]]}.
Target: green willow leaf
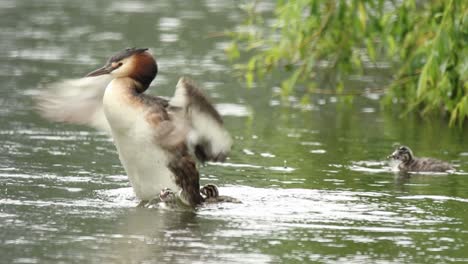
{"points": [[426, 43]]}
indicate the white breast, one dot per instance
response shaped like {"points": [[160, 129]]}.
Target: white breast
{"points": [[144, 161]]}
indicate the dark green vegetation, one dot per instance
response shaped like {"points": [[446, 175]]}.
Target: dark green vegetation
{"points": [[424, 42]]}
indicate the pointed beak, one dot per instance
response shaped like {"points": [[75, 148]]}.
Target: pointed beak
{"points": [[393, 155], [101, 71]]}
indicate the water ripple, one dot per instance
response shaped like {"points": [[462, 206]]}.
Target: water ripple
{"points": [[239, 165], [433, 197], [321, 209]]}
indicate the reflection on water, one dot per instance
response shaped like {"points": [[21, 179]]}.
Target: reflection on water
{"points": [[313, 179]]}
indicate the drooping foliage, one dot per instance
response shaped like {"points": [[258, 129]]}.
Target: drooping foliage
{"points": [[425, 41]]}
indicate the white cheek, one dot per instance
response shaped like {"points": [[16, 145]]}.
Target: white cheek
{"points": [[123, 70], [120, 72]]}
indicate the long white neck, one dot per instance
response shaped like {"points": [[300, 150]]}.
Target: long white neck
{"points": [[121, 104]]}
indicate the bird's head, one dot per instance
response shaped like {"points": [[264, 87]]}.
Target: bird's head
{"points": [[134, 63], [402, 153]]}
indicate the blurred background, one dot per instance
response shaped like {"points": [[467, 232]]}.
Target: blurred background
{"points": [[312, 175]]}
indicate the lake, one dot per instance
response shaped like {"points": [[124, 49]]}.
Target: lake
{"points": [[313, 179]]}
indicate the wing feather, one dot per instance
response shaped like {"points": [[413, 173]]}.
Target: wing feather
{"points": [[207, 138], [75, 101], [170, 133]]}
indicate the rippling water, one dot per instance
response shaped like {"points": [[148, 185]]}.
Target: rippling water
{"points": [[313, 179]]}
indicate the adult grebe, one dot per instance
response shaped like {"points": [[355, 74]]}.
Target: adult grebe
{"points": [[157, 139]]}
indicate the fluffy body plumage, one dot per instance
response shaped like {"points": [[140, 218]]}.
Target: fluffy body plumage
{"points": [[407, 162]]}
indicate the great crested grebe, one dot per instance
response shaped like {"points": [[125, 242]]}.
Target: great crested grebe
{"points": [[407, 162], [157, 139]]}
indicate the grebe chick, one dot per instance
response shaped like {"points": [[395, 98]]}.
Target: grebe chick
{"points": [[407, 162], [210, 194]]}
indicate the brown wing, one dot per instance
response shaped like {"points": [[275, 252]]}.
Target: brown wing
{"points": [[171, 136], [207, 138]]}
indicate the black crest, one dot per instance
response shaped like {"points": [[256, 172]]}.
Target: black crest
{"points": [[126, 53]]}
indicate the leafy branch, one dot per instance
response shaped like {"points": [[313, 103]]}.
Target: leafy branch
{"points": [[425, 41]]}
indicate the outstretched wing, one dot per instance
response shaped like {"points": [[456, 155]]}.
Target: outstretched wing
{"points": [[76, 101], [207, 138]]}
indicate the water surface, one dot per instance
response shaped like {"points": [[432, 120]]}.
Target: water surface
{"points": [[313, 179]]}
